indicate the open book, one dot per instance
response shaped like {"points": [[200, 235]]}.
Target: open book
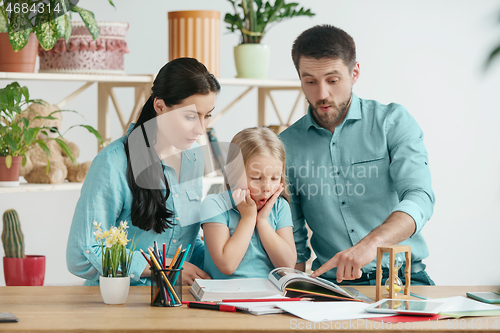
{"points": [[284, 281]]}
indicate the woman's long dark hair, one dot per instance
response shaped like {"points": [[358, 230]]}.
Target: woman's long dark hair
{"points": [[176, 81]]}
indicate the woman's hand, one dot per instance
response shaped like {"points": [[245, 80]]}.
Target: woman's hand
{"points": [[190, 272], [264, 212], [246, 205]]}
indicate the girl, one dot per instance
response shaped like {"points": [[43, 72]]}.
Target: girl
{"points": [[248, 231], [150, 177]]}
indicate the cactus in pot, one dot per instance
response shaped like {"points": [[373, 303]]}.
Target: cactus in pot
{"points": [[12, 235]]}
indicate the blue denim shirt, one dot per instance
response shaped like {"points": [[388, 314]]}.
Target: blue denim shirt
{"points": [[347, 183], [106, 198]]}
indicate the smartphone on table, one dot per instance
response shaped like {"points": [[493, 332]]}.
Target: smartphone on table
{"points": [[486, 297], [7, 317]]}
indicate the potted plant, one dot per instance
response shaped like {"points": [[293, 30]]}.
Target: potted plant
{"points": [[48, 20], [19, 269], [17, 137], [114, 282], [253, 18]]}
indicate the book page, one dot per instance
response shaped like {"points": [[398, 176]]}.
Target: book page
{"points": [[283, 276], [235, 286]]}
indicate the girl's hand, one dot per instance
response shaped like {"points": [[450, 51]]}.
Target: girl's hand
{"points": [[266, 210], [190, 272], [246, 205]]}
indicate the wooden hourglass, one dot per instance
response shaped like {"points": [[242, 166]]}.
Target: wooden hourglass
{"points": [[393, 250]]}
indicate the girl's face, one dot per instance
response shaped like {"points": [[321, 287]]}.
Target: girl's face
{"points": [[182, 124], [263, 174]]}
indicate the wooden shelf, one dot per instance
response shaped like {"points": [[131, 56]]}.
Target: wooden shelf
{"points": [[76, 77], [24, 187], [285, 84]]}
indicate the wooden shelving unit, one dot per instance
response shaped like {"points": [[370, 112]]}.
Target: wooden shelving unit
{"points": [[142, 85]]}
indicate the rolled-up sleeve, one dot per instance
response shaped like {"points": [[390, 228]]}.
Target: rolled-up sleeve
{"points": [[101, 200], [409, 167]]}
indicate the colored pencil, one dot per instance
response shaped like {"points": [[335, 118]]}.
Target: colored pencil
{"points": [[153, 259]]}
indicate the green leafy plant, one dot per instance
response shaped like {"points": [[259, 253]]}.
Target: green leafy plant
{"points": [[22, 17], [253, 18], [113, 244], [17, 137]]}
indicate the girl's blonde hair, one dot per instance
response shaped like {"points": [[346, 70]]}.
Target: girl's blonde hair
{"points": [[252, 142]]}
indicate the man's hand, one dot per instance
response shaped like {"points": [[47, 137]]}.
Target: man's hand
{"points": [[398, 227], [349, 262], [191, 272]]}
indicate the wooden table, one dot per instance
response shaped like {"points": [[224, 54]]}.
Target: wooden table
{"points": [[80, 309]]}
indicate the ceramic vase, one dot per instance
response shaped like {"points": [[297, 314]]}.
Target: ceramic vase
{"points": [[114, 290], [252, 60]]}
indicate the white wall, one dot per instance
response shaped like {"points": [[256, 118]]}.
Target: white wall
{"points": [[426, 55]]}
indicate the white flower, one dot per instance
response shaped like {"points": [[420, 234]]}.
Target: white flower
{"points": [[110, 241], [98, 235]]}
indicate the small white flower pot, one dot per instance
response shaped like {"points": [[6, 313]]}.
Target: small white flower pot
{"points": [[114, 290]]}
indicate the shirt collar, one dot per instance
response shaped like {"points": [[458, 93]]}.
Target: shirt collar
{"points": [[353, 113]]}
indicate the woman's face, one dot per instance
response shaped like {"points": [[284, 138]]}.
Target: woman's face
{"points": [[179, 126]]}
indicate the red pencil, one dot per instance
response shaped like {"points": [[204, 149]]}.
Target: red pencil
{"points": [[144, 254], [164, 256], [294, 299]]}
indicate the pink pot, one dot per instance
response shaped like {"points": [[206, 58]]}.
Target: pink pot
{"points": [[29, 271]]}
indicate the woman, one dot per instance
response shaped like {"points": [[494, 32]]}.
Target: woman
{"points": [[151, 178]]}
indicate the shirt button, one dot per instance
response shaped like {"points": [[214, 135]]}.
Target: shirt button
{"points": [[177, 218], [333, 143], [352, 230], [174, 241], [132, 275], [176, 195], [87, 251], [343, 202]]}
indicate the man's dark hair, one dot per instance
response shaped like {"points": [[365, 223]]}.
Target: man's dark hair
{"points": [[324, 41]]}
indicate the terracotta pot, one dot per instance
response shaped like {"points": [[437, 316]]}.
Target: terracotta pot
{"points": [[29, 271], [195, 34], [10, 177], [22, 61]]}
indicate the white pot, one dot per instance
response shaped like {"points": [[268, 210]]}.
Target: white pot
{"points": [[114, 290]]}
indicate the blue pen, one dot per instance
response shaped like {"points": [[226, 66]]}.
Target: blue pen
{"points": [[181, 263]]}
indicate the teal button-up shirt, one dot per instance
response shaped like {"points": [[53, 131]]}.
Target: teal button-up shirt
{"points": [[347, 183], [106, 198]]}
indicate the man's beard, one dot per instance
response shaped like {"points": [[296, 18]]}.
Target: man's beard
{"points": [[330, 118]]}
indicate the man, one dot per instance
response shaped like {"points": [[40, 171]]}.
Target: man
{"points": [[357, 169]]}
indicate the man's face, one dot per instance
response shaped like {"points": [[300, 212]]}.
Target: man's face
{"points": [[327, 84]]}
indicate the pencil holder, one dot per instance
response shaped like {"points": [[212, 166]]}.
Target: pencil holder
{"points": [[166, 287]]}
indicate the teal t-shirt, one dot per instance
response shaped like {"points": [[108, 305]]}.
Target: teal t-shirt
{"points": [[220, 208]]}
